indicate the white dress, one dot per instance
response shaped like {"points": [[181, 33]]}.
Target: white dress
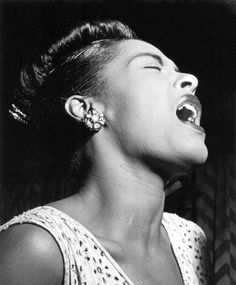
{"points": [[87, 262]]}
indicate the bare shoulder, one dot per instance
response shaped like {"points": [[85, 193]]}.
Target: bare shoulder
{"points": [[29, 254]]}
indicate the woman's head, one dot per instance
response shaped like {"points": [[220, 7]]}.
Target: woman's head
{"points": [[132, 82], [152, 110]]}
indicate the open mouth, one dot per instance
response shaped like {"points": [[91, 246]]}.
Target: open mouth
{"points": [[189, 111]]}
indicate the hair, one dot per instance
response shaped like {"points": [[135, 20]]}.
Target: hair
{"points": [[72, 65]]}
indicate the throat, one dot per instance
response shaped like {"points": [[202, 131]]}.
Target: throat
{"points": [[123, 202], [135, 226]]}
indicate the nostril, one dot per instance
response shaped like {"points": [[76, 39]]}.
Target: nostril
{"points": [[185, 84]]}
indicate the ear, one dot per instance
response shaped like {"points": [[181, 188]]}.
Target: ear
{"points": [[77, 106]]}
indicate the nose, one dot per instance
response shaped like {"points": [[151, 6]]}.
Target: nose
{"points": [[187, 82]]}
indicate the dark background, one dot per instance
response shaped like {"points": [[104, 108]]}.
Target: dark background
{"points": [[199, 36]]}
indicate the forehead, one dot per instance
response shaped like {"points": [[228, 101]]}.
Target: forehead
{"points": [[129, 49]]}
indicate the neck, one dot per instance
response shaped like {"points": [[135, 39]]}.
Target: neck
{"points": [[125, 200]]}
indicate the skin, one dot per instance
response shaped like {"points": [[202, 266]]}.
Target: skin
{"points": [[142, 145]]}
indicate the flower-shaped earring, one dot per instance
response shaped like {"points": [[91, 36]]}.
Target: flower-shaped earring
{"points": [[94, 120]]}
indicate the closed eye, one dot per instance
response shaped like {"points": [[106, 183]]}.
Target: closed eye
{"points": [[153, 67]]}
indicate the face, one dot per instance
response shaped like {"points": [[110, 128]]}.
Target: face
{"points": [[152, 110]]}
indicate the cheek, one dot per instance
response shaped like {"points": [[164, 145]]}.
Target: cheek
{"points": [[141, 110], [143, 128]]}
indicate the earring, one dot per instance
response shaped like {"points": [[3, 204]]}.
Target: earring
{"points": [[94, 120]]}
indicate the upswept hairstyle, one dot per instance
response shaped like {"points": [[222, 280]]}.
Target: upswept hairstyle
{"points": [[72, 65]]}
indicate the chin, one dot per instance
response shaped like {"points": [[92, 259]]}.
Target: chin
{"points": [[194, 151], [194, 159], [178, 162], [200, 154], [188, 162]]}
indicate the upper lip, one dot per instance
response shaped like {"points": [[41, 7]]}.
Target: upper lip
{"points": [[193, 101]]}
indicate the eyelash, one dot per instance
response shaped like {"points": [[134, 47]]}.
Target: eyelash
{"points": [[154, 67]]}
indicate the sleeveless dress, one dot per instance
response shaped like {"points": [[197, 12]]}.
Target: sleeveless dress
{"points": [[87, 262]]}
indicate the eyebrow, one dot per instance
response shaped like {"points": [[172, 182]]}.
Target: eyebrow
{"points": [[153, 55]]}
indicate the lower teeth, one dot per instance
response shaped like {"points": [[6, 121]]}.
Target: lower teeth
{"points": [[191, 120]]}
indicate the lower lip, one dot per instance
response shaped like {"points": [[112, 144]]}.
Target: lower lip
{"points": [[196, 127]]}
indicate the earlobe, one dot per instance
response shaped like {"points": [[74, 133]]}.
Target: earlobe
{"points": [[76, 107], [80, 109]]}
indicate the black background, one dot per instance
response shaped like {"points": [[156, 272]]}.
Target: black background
{"points": [[199, 36]]}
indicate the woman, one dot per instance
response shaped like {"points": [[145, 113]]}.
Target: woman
{"points": [[136, 124]]}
